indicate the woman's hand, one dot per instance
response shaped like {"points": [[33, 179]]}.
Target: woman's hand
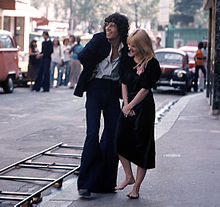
{"points": [[127, 110]]}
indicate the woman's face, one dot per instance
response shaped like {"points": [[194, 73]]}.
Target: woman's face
{"points": [[66, 42], [134, 51], [35, 44], [55, 42]]}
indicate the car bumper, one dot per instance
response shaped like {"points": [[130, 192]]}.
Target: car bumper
{"points": [[171, 82]]}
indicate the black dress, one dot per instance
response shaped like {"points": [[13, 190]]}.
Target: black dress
{"points": [[33, 65], [136, 133]]}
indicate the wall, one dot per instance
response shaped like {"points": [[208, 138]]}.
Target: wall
{"points": [[184, 36]]}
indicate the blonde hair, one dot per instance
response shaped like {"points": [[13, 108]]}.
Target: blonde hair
{"points": [[143, 42]]}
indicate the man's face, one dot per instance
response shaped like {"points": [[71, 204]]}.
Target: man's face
{"points": [[44, 36], [111, 31]]}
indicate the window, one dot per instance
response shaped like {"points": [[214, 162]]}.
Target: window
{"points": [[6, 41], [172, 58]]}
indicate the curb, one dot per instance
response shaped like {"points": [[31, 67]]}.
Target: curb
{"points": [[170, 118]]}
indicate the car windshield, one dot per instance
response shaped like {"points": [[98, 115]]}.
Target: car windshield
{"points": [[6, 41], [170, 58]]}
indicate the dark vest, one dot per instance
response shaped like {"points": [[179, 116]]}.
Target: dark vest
{"points": [[47, 49]]}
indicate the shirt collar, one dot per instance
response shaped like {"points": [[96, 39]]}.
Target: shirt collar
{"points": [[120, 46]]}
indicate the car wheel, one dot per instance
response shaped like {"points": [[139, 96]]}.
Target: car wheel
{"points": [[8, 86]]}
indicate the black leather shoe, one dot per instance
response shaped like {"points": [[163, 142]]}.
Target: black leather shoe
{"points": [[85, 193]]}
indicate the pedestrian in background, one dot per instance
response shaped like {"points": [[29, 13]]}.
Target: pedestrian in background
{"points": [[199, 62], [33, 62], [55, 61], [202, 79], [158, 45], [136, 124], [72, 40], [65, 62], [75, 63], [43, 76], [103, 59]]}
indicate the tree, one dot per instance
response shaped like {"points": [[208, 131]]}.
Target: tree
{"points": [[90, 14], [185, 12]]}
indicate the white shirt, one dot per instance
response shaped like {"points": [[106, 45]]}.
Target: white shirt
{"points": [[56, 55], [108, 69], [65, 53]]}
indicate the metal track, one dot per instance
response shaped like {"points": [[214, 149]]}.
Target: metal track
{"points": [[26, 198]]}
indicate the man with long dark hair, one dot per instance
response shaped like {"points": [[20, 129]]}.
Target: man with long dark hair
{"points": [[104, 59]]}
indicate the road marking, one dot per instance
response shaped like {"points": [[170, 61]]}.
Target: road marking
{"points": [[172, 155]]}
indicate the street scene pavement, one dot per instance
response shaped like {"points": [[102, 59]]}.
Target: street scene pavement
{"points": [[187, 171], [187, 148]]}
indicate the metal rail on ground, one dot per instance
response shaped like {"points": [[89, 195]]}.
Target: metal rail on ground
{"points": [[27, 198]]}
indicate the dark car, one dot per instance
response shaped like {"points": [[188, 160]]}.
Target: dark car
{"points": [[174, 69]]}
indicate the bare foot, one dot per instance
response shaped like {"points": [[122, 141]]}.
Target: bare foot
{"points": [[133, 194], [125, 183]]}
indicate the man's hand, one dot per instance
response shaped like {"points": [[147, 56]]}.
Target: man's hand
{"points": [[39, 56]]}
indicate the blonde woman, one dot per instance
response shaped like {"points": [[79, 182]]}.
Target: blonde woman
{"points": [[136, 125]]}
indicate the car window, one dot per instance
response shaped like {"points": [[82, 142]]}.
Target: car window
{"points": [[172, 58], [6, 41]]}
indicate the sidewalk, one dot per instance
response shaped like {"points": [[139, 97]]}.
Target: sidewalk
{"points": [[187, 172]]}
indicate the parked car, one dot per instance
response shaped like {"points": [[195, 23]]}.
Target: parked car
{"points": [[174, 69], [9, 70], [190, 51]]}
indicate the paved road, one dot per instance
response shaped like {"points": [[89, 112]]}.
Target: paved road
{"points": [[31, 122]]}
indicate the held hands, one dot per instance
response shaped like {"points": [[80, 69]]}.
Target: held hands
{"points": [[127, 111], [39, 56]]}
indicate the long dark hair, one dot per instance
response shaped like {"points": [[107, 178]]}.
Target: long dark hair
{"points": [[58, 42], [122, 24], [32, 46]]}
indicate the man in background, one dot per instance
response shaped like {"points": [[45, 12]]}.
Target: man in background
{"points": [[43, 76]]}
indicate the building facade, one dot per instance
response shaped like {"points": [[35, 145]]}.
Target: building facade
{"points": [[213, 58]]}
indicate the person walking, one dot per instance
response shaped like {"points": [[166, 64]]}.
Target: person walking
{"points": [[199, 63], [75, 68], [33, 63], [202, 78], [104, 58], [66, 62], [55, 61], [135, 132], [43, 76]]}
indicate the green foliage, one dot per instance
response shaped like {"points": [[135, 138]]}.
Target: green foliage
{"points": [[185, 12]]}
